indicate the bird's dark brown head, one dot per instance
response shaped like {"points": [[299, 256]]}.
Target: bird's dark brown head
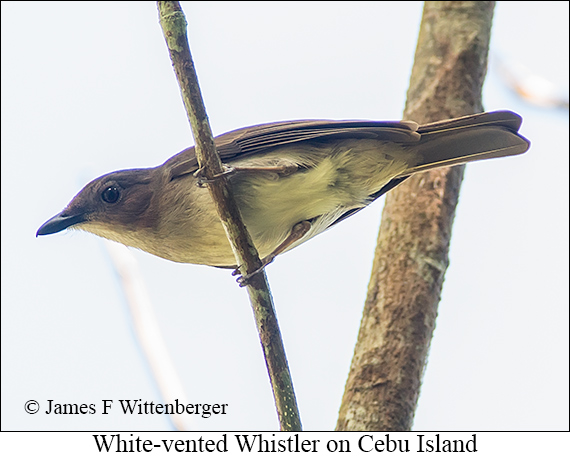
{"points": [[115, 202]]}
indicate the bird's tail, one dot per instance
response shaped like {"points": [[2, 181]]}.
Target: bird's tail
{"points": [[467, 139]]}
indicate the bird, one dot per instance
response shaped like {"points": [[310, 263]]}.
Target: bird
{"points": [[291, 180]]}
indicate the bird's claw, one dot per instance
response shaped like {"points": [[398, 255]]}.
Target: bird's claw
{"points": [[244, 280], [202, 180]]}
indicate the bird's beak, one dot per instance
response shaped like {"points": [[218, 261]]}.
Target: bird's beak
{"points": [[60, 222]]}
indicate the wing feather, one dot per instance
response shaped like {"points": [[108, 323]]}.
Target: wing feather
{"points": [[251, 140]]}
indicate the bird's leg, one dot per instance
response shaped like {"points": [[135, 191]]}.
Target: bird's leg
{"points": [[298, 231], [283, 169], [202, 181]]}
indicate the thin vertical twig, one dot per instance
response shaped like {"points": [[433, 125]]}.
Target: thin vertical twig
{"points": [[173, 23]]}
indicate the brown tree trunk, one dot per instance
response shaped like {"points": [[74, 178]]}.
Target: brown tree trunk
{"points": [[411, 257]]}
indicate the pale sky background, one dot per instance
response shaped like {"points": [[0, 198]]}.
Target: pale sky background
{"points": [[88, 88]]}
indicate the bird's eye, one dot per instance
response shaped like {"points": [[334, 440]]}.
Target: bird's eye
{"points": [[111, 194]]}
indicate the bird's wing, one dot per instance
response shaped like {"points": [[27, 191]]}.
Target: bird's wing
{"points": [[505, 119], [251, 140]]}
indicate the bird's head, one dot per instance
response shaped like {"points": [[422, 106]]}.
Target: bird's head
{"points": [[114, 206]]}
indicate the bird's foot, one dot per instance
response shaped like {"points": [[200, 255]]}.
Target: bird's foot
{"points": [[202, 180]]}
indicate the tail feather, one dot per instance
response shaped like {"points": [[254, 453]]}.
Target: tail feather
{"points": [[480, 136]]}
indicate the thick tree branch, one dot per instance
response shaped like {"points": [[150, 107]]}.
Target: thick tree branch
{"points": [[173, 24], [412, 253]]}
